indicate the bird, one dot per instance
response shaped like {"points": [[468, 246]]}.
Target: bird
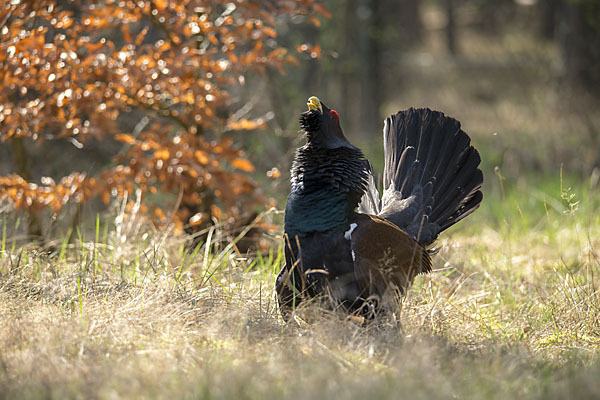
{"points": [[347, 246]]}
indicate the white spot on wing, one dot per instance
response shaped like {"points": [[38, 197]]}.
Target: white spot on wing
{"points": [[348, 233], [353, 255]]}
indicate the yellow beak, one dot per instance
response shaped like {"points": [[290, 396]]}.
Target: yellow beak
{"points": [[315, 104]]}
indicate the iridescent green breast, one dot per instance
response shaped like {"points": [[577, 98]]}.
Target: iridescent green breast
{"points": [[327, 185]]}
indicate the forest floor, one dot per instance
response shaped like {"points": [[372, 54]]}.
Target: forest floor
{"points": [[512, 310]]}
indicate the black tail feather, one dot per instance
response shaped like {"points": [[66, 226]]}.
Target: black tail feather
{"points": [[465, 210], [458, 186], [431, 178]]}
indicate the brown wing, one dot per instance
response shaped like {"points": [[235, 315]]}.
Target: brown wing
{"points": [[384, 254]]}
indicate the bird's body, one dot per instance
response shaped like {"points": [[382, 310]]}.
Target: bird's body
{"points": [[354, 257]]}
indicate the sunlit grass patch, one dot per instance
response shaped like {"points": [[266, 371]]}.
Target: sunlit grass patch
{"points": [[511, 310]]}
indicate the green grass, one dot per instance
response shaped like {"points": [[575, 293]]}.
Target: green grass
{"points": [[512, 310]]}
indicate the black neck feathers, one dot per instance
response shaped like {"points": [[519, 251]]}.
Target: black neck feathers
{"points": [[327, 184]]}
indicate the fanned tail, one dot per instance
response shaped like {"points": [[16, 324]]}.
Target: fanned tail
{"points": [[431, 178]]}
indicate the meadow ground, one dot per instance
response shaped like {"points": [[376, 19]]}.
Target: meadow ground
{"points": [[512, 310]]}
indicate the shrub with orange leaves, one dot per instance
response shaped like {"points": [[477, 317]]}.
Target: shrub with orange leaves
{"points": [[77, 70]]}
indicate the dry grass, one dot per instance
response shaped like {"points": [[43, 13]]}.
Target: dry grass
{"points": [[513, 310]]}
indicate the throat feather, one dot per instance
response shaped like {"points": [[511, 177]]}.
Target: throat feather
{"points": [[327, 185]]}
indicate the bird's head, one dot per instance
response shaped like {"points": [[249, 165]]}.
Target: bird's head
{"points": [[322, 125]]}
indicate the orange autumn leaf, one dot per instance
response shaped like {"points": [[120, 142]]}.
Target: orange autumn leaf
{"points": [[161, 4], [269, 31], [314, 20], [125, 138], [140, 37], [158, 213], [243, 164], [245, 124], [126, 34], [201, 156], [216, 211], [321, 9], [162, 154]]}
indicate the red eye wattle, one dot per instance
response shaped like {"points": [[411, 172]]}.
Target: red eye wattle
{"points": [[335, 114]]}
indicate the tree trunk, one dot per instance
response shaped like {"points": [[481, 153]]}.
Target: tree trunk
{"points": [[451, 27], [344, 64], [371, 93], [549, 14], [21, 164], [580, 43]]}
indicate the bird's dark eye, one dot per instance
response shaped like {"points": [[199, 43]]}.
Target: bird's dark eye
{"points": [[335, 114]]}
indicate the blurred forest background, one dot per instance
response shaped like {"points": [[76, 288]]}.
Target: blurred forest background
{"points": [[188, 110]]}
